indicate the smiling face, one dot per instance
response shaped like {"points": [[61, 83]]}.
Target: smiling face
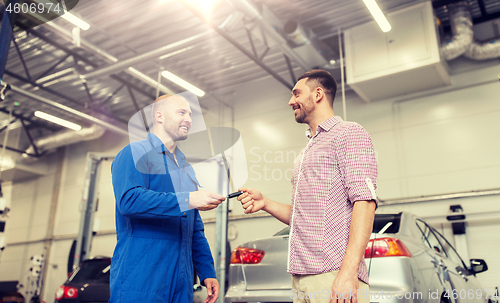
{"points": [[302, 101], [174, 115]]}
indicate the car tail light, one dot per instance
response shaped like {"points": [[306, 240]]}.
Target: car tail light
{"points": [[386, 247], [66, 292], [244, 255]]}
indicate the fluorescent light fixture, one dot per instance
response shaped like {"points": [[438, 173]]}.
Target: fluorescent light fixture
{"points": [[206, 6], [58, 9], [76, 21], [378, 15], [183, 83], [150, 81], [6, 163], [57, 120]]}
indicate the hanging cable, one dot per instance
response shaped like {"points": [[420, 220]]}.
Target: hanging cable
{"points": [[342, 75]]}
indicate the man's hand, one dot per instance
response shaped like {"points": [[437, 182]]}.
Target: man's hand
{"points": [[212, 290], [251, 200], [345, 289], [204, 200]]}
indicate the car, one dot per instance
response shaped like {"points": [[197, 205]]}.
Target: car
{"points": [[408, 261], [88, 283]]}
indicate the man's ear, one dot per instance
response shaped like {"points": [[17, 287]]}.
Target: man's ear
{"points": [[319, 94], [158, 116]]}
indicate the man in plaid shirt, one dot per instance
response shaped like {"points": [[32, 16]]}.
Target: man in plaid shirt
{"points": [[333, 200]]}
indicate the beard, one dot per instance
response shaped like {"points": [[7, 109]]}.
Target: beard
{"points": [[182, 137], [176, 134], [304, 111]]}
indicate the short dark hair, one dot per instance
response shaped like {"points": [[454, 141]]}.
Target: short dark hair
{"points": [[323, 79]]}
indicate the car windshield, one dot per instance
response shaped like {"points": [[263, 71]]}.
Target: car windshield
{"points": [[383, 223], [96, 271]]}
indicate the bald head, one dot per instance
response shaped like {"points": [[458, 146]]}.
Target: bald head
{"points": [[162, 104], [171, 119]]}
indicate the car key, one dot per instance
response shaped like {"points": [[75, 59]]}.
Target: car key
{"points": [[235, 194]]}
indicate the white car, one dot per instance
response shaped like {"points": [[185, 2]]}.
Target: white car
{"points": [[408, 261]]}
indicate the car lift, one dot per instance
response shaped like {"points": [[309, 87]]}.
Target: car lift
{"points": [[89, 206]]}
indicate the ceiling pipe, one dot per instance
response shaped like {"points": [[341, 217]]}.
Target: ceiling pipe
{"points": [[250, 10], [484, 51], [461, 28], [307, 45], [65, 137], [70, 110], [462, 42], [124, 64]]}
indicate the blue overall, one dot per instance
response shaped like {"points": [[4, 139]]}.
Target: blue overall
{"points": [[158, 238]]}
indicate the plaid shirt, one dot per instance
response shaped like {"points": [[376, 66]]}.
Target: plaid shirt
{"points": [[338, 168]]}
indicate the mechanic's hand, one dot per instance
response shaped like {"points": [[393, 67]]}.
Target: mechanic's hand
{"points": [[204, 200], [212, 290], [251, 200], [345, 289]]}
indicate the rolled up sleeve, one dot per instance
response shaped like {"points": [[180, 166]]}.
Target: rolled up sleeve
{"points": [[358, 164]]}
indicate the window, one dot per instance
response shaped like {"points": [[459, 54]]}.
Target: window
{"points": [[389, 224], [450, 251], [430, 237], [421, 227], [96, 271]]}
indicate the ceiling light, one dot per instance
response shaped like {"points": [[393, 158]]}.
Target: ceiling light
{"points": [[183, 83], [76, 21], [57, 9], [151, 82], [378, 15], [206, 6], [57, 120], [6, 163]]}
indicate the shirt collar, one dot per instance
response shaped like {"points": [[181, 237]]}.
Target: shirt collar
{"points": [[156, 142], [326, 125], [158, 145]]}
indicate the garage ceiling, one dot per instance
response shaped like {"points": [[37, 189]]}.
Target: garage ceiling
{"points": [[207, 58]]}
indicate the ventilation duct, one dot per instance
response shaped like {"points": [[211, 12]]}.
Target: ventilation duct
{"points": [[462, 42], [66, 137], [307, 45], [484, 51], [268, 23], [461, 28], [295, 33]]}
